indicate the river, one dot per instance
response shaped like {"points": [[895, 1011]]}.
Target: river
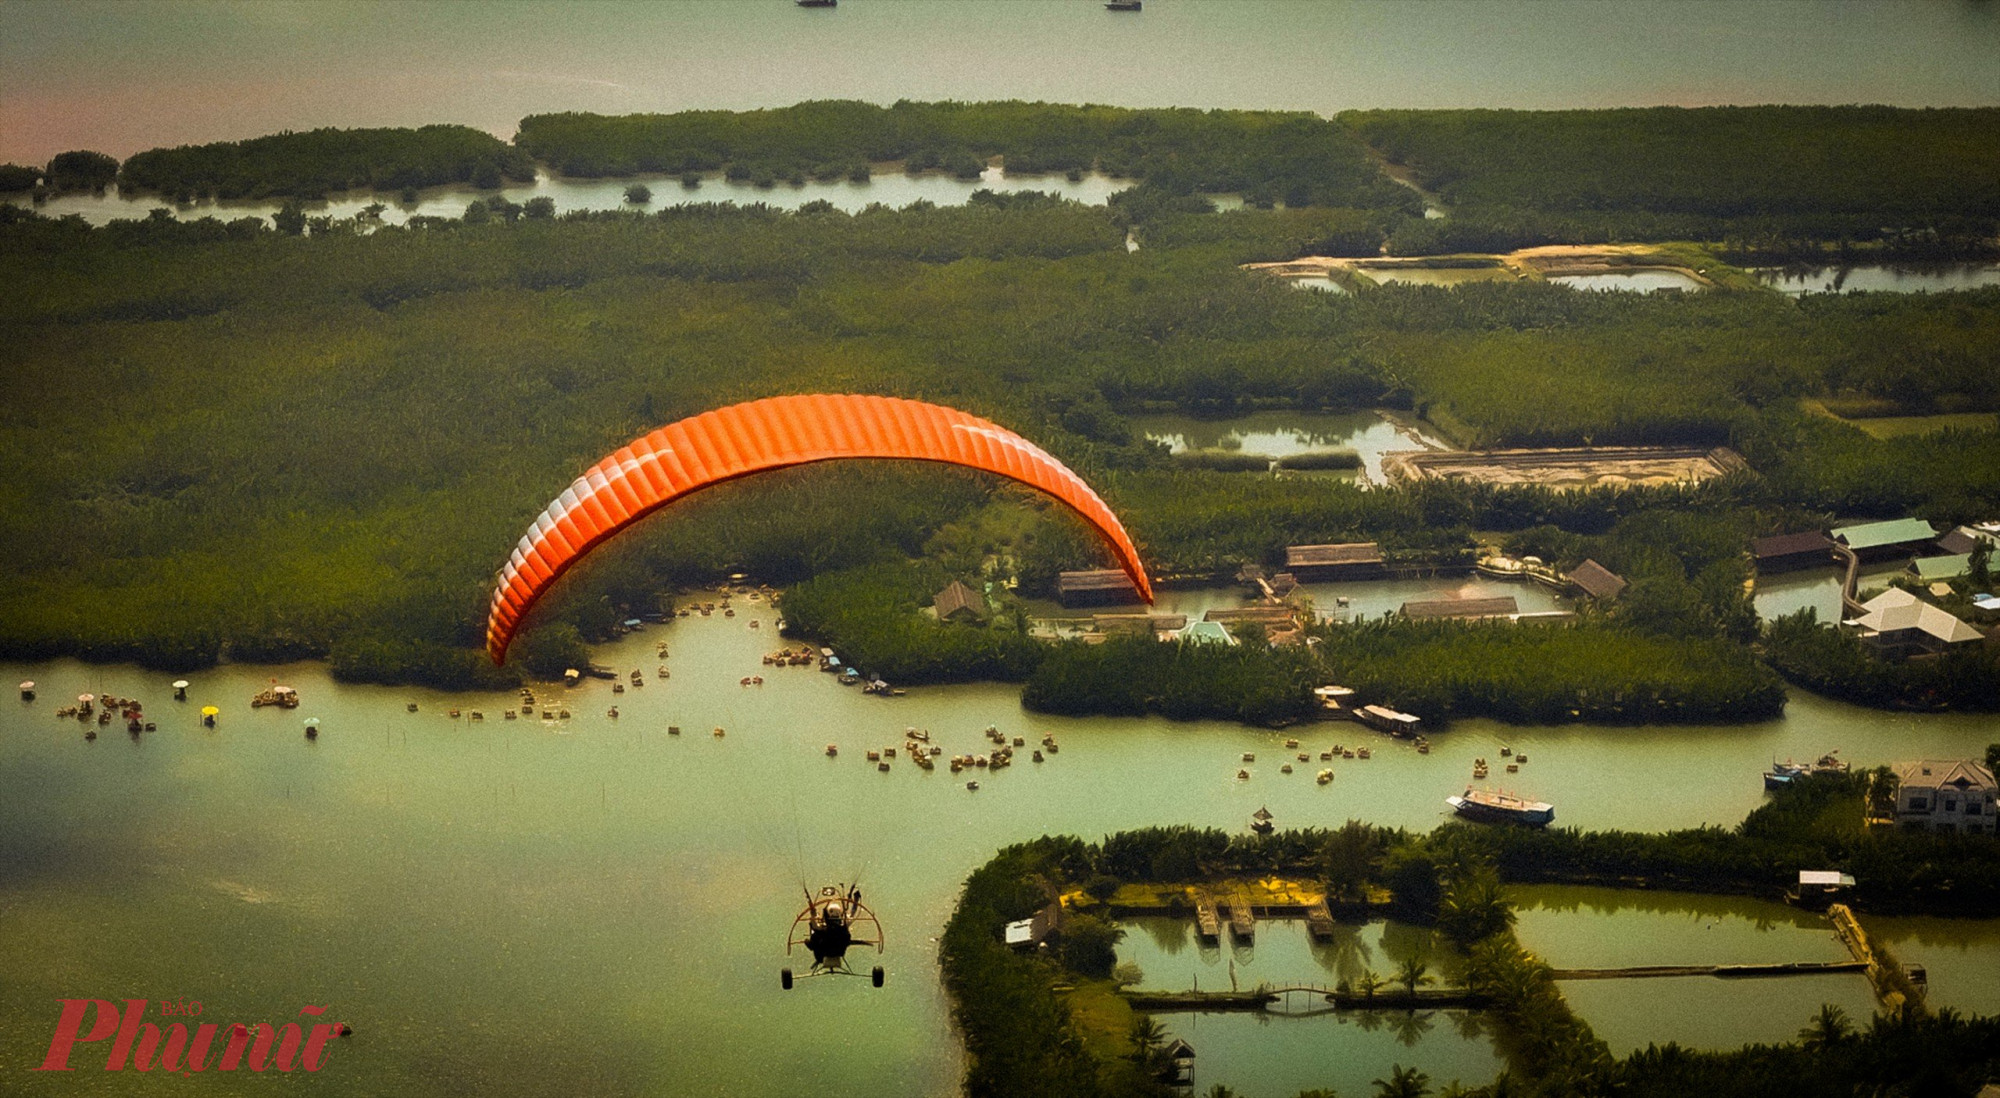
{"points": [[596, 905]]}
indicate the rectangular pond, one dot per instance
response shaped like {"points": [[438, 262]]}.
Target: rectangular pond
{"points": [[1640, 281], [1258, 1053], [1278, 434], [1574, 927]]}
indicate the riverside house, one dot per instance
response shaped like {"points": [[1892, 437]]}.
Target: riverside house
{"points": [[1946, 795]]}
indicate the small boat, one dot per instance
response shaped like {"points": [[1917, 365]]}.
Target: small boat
{"points": [[619, 687], [1249, 756], [972, 786], [1513, 768], [1242, 775], [888, 752], [1781, 774], [882, 766], [1037, 756], [1285, 769], [874, 756], [284, 697], [1363, 753], [832, 750], [718, 731], [454, 714], [1481, 804], [921, 735], [1124, 5], [1506, 752], [673, 730], [1303, 757], [1323, 777], [1291, 745], [1521, 758], [817, 3], [612, 712], [1384, 719], [509, 714], [477, 715], [1326, 756]]}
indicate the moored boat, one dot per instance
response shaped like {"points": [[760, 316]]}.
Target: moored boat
{"points": [[1492, 807]]}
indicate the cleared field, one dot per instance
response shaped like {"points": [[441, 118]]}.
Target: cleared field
{"points": [[1583, 467], [1898, 426]]}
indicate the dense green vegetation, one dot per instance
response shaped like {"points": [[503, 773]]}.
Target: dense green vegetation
{"points": [[81, 170], [14, 177], [1294, 157], [1550, 675], [1131, 676], [319, 162], [1769, 178], [1822, 659], [1816, 823], [229, 439]]}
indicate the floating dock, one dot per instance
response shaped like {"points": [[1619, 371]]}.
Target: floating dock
{"points": [[1242, 921], [1207, 920]]}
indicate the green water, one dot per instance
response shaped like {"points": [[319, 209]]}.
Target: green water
{"points": [[1279, 434], [1266, 1055], [597, 906], [1900, 279], [1436, 276], [1572, 927], [888, 187], [1640, 281]]}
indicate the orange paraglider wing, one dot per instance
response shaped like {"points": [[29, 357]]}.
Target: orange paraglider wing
{"points": [[705, 450]]}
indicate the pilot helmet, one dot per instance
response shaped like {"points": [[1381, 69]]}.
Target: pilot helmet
{"points": [[836, 913]]}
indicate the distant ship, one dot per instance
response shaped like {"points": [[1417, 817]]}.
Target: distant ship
{"points": [[817, 3], [1122, 5], [1483, 804]]}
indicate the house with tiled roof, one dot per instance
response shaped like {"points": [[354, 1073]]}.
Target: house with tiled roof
{"points": [[1946, 795]]}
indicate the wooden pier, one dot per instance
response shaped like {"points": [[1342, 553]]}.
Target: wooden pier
{"points": [[1264, 998], [1319, 921], [1895, 988], [1643, 972], [1206, 918], [1242, 920]]}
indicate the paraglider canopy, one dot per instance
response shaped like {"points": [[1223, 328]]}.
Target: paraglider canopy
{"points": [[760, 436], [209, 711], [28, 684], [180, 684]]}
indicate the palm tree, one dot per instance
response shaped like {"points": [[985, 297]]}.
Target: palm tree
{"points": [[1369, 983], [1412, 976], [1403, 1083], [1149, 1039], [1830, 1027]]}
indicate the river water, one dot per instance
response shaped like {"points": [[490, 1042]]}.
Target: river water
{"points": [[888, 186], [596, 905]]}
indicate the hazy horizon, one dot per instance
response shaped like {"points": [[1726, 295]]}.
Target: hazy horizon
{"points": [[122, 77]]}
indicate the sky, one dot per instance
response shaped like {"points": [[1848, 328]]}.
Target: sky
{"points": [[120, 77]]}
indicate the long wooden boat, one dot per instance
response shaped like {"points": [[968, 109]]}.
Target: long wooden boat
{"points": [[1492, 807]]}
